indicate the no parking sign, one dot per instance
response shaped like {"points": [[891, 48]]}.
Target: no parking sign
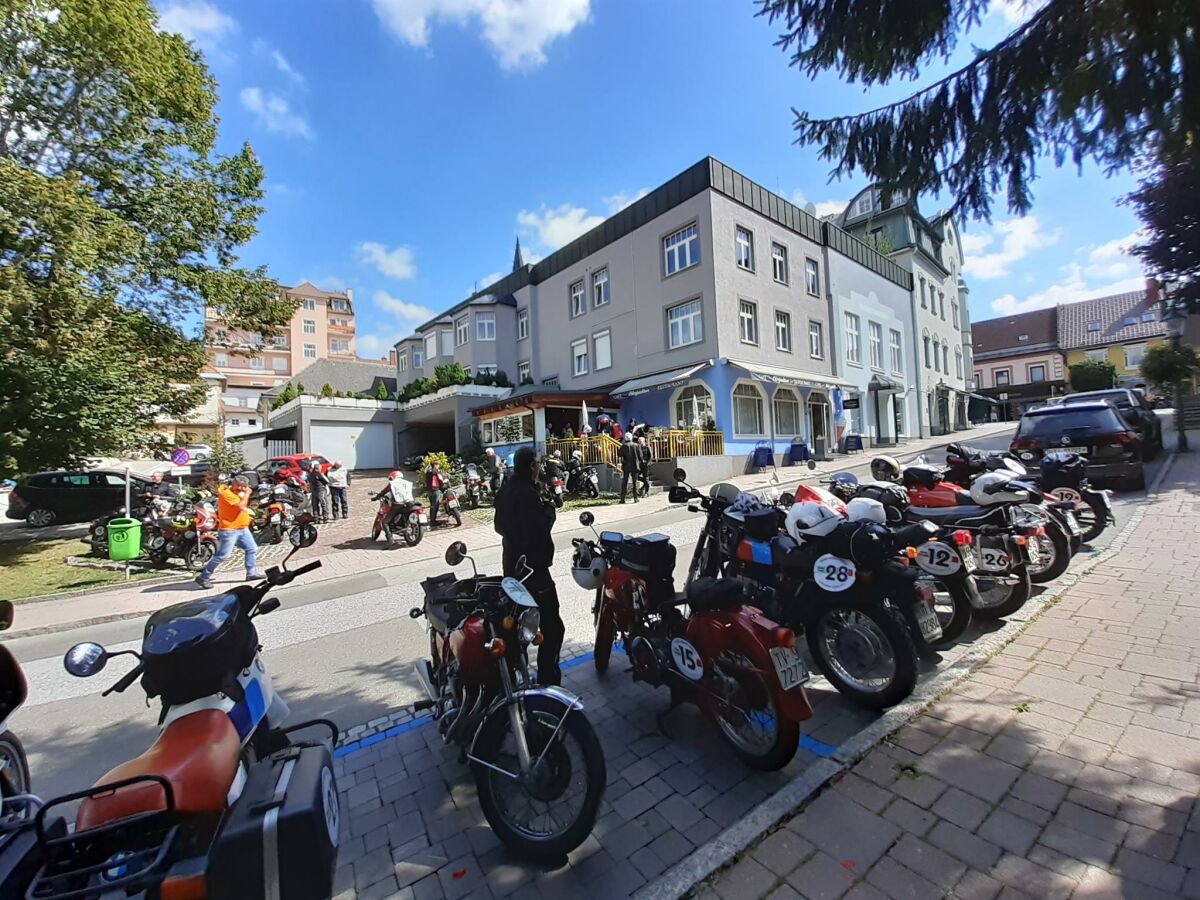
{"points": [[180, 457]]}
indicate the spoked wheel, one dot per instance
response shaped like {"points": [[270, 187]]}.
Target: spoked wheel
{"points": [[200, 555], [1054, 554], [952, 603], [1090, 513], [866, 652], [375, 531], [606, 633], [550, 812], [1002, 595], [14, 775], [413, 533], [743, 708]]}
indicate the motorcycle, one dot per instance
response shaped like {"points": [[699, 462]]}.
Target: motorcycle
{"points": [[188, 532], [476, 487], [412, 514], [225, 803], [530, 747], [725, 655], [450, 506], [14, 765], [276, 507], [583, 482]]}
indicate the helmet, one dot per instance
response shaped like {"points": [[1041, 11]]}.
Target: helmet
{"points": [[489, 452], [885, 468], [811, 519], [558, 454], [576, 454], [864, 509], [990, 488], [588, 571], [393, 475]]}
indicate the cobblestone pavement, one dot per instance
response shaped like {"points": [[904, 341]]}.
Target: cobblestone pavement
{"points": [[1067, 766]]}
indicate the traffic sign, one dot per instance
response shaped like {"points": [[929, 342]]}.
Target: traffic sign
{"points": [[180, 457]]}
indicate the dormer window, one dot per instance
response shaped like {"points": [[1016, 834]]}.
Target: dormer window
{"points": [[1093, 326], [864, 205], [1130, 320]]}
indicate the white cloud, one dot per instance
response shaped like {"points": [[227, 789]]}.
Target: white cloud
{"points": [[396, 263], [285, 67], [554, 228], [1018, 238], [1014, 12], [372, 345], [1113, 259], [490, 278], [620, 200], [824, 208], [197, 21], [1098, 271], [518, 31], [412, 313], [275, 114]]}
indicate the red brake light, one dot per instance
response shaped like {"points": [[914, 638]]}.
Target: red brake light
{"points": [[1022, 444], [1127, 438], [785, 637], [745, 552], [962, 539]]}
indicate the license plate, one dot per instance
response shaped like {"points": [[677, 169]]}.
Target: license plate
{"points": [[927, 620], [1072, 523], [1035, 552], [970, 561], [275, 519], [993, 559], [453, 504], [789, 667], [1082, 451], [558, 489], [423, 518]]}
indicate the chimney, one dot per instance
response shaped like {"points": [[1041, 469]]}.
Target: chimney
{"points": [[392, 358], [1152, 294]]}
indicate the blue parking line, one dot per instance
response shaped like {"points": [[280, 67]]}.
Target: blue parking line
{"points": [[812, 745]]}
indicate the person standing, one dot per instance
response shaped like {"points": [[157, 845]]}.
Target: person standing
{"points": [[644, 465], [233, 530], [524, 517], [339, 480], [435, 483], [318, 484], [159, 488], [631, 461]]}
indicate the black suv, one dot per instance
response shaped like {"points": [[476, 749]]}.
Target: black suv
{"points": [[1135, 409], [1095, 431], [55, 497]]}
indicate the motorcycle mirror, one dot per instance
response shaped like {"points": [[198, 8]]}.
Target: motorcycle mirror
{"points": [[6, 614], [812, 464], [586, 519], [304, 535], [679, 475], [456, 553], [85, 660]]}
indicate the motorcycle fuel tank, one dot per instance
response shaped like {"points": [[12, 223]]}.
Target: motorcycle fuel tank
{"points": [[474, 660]]}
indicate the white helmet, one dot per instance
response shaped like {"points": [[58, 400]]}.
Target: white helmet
{"points": [[811, 519], [576, 454], [589, 571], [989, 489], [864, 509]]}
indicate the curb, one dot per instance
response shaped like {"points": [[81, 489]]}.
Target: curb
{"points": [[789, 800]]}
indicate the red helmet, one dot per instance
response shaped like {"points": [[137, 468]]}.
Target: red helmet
{"points": [[395, 473]]}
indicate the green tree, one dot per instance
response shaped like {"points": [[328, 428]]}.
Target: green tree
{"points": [[1093, 375], [119, 222], [502, 379], [327, 390], [451, 373], [381, 391], [1168, 203], [1170, 367], [1104, 81], [287, 394]]}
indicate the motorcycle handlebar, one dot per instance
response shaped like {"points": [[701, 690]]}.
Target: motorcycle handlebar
{"points": [[129, 678]]}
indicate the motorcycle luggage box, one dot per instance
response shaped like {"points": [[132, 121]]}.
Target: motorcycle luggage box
{"points": [[652, 556], [921, 476], [280, 838], [761, 524]]}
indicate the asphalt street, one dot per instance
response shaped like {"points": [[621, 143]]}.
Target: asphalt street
{"points": [[343, 649]]}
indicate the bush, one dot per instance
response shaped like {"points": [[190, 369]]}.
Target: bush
{"points": [[484, 377], [287, 394], [1093, 375], [1169, 367], [327, 390], [441, 458], [502, 379], [451, 373], [418, 388], [528, 379], [381, 392]]}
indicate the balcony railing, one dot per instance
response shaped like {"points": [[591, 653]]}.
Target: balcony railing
{"points": [[664, 445]]}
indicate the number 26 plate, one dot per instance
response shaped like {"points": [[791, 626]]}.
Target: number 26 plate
{"points": [[789, 667]]}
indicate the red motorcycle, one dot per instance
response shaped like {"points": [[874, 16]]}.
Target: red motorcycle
{"points": [[739, 667], [190, 538], [410, 521]]}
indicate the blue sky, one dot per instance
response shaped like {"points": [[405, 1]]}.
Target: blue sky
{"points": [[406, 142]]}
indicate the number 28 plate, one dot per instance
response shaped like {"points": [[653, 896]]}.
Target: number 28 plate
{"points": [[834, 573], [789, 667]]}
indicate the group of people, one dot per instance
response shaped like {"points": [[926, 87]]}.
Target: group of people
{"points": [[329, 490], [635, 466], [610, 426]]}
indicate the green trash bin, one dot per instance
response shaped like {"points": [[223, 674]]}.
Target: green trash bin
{"points": [[124, 539]]}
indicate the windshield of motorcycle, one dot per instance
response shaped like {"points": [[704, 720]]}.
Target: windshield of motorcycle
{"points": [[517, 592]]}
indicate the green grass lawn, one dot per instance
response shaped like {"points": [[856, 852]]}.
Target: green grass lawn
{"points": [[36, 568], [487, 513]]}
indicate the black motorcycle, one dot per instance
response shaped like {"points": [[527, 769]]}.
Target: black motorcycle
{"points": [[583, 481]]}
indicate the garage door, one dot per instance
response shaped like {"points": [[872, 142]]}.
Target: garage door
{"points": [[357, 446]]}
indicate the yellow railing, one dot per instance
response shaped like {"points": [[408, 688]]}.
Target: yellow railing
{"points": [[597, 450], [664, 445]]}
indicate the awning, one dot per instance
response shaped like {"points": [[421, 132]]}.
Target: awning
{"points": [[780, 375], [991, 400], [883, 385], [661, 381]]}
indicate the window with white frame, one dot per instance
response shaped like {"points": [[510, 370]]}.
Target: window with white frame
{"points": [[1001, 377], [600, 287], [922, 293], [954, 313], [945, 357], [308, 303], [579, 356], [402, 361], [310, 326], [942, 304], [685, 324], [310, 351], [1037, 373], [447, 343], [681, 250], [897, 351], [279, 340], [816, 340], [417, 356], [522, 324], [812, 277], [787, 410], [743, 248], [779, 263], [693, 407], [853, 338], [925, 344], [747, 410], [524, 370], [1097, 355], [602, 349], [578, 299], [279, 364], [256, 362], [487, 369], [875, 333], [339, 346], [221, 361], [431, 347], [748, 321], [1134, 353], [783, 331], [485, 326], [462, 330], [958, 368]]}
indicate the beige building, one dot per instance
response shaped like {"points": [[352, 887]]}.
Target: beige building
{"points": [[322, 328]]}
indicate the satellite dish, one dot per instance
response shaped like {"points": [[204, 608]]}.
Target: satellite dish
{"points": [[810, 208]]}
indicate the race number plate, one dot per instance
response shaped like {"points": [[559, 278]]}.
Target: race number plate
{"points": [[832, 573], [687, 659], [276, 518], [931, 628], [938, 559], [969, 560], [789, 667], [994, 559]]}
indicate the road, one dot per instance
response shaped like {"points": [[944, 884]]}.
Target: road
{"points": [[342, 649]]}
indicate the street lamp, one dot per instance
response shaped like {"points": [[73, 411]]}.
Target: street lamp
{"points": [[1175, 317]]}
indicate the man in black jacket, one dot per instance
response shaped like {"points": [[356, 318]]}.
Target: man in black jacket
{"points": [[524, 517], [631, 464], [644, 466]]}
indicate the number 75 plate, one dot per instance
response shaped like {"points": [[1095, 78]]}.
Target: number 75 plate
{"points": [[789, 667]]}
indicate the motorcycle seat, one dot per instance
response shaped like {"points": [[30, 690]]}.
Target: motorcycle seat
{"points": [[943, 515], [715, 594], [197, 754]]}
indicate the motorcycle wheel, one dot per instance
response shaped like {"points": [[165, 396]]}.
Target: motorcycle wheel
{"points": [[413, 534], [375, 531], [558, 501], [1055, 556], [572, 773], [159, 557], [389, 536], [593, 491], [865, 651], [200, 554], [14, 768], [606, 633], [1092, 518], [1002, 595], [952, 604], [457, 517], [759, 736]]}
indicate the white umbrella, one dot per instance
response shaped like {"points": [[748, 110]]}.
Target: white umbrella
{"points": [[583, 416]]}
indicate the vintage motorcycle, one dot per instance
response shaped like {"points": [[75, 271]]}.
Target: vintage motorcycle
{"points": [[226, 803], [725, 655], [475, 486], [188, 532], [538, 765], [412, 519]]}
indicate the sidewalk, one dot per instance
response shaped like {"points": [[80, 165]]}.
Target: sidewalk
{"points": [[344, 553], [1067, 766]]}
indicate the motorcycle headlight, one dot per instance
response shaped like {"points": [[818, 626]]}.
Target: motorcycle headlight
{"points": [[528, 624]]}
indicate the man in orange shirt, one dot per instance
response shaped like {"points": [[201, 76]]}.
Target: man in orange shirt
{"points": [[233, 530]]}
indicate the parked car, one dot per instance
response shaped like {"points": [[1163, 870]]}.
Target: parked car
{"points": [[279, 468], [199, 452], [50, 498], [413, 461], [1095, 431], [1135, 409]]}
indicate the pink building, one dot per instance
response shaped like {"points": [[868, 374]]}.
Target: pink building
{"points": [[1018, 363]]}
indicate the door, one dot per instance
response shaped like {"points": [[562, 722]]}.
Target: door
{"points": [[818, 409], [357, 446]]}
